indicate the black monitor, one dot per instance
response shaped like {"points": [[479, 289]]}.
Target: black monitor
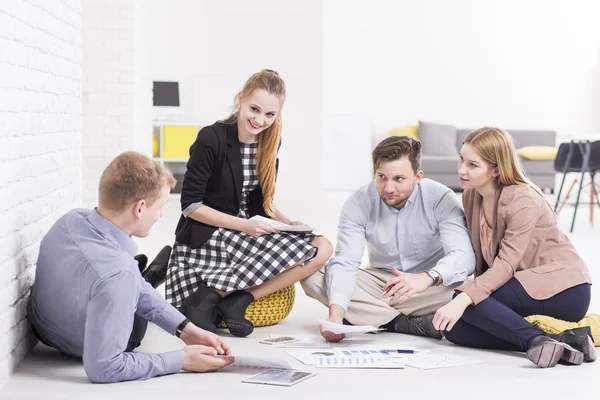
{"points": [[166, 94]]}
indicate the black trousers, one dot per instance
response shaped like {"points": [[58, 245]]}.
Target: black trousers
{"points": [[135, 339], [498, 323]]}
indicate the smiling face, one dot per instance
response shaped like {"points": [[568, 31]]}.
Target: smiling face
{"points": [[473, 171], [395, 181], [257, 112]]}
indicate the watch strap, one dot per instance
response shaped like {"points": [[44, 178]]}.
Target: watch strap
{"points": [[181, 327]]}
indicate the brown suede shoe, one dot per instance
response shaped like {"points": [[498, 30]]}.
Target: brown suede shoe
{"points": [[581, 339], [546, 352]]}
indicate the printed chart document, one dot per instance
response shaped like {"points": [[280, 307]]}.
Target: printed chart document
{"points": [[309, 356], [359, 362], [281, 226], [261, 362], [348, 330], [380, 350], [433, 361]]}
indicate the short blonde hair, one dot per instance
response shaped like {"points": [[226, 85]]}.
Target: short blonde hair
{"points": [[131, 177]]}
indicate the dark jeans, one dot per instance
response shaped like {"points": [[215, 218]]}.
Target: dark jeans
{"points": [[135, 339], [497, 322]]}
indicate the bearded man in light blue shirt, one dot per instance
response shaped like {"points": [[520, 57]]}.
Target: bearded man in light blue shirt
{"points": [[418, 246], [89, 299]]}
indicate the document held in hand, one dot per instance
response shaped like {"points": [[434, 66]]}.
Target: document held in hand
{"points": [[281, 226], [348, 330]]}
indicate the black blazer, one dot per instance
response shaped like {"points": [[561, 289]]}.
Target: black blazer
{"points": [[214, 176]]}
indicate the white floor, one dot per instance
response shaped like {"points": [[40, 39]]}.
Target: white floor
{"points": [[48, 375]]}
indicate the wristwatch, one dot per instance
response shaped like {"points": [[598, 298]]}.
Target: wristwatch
{"points": [[181, 327], [435, 276]]}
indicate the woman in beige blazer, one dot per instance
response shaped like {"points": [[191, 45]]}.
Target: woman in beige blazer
{"points": [[524, 264]]}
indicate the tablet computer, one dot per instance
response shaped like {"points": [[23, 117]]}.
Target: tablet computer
{"points": [[280, 377]]}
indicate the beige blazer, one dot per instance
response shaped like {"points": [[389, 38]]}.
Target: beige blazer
{"points": [[527, 244]]}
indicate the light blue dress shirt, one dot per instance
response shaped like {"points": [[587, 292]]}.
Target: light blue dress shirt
{"points": [[429, 232], [87, 289]]}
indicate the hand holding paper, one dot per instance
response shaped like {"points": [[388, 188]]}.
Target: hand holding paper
{"points": [[348, 330]]}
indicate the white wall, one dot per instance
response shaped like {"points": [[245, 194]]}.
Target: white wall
{"points": [[40, 148], [513, 64], [213, 47], [117, 91]]}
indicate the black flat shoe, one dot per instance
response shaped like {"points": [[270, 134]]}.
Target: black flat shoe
{"points": [[201, 309], [156, 273], [232, 309], [142, 261]]}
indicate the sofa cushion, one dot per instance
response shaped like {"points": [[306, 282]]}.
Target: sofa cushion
{"points": [[437, 139], [411, 131], [538, 153], [440, 164]]}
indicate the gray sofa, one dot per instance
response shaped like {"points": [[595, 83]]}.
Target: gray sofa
{"points": [[443, 168]]}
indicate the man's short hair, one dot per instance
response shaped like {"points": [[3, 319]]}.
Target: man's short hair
{"points": [[396, 147], [130, 177]]}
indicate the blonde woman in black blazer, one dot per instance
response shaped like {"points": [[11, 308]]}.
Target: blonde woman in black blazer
{"points": [[222, 260]]}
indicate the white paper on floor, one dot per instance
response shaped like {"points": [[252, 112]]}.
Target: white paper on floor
{"points": [[441, 360], [309, 356], [261, 362]]}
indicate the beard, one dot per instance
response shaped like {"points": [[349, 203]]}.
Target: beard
{"points": [[396, 202]]}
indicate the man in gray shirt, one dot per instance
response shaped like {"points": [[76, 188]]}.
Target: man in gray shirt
{"points": [[89, 295], [418, 246]]}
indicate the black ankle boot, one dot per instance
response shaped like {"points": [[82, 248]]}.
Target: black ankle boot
{"points": [[142, 261], [546, 352], [156, 273], [581, 339], [232, 309], [201, 309], [414, 325]]}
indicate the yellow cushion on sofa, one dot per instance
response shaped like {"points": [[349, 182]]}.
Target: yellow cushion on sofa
{"points": [[538, 153], [411, 131], [554, 326]]}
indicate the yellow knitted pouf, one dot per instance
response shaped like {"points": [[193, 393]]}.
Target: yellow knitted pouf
{"points": [[554, 326], [270, 309]]}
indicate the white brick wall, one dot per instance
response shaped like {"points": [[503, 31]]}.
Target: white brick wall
{"points": [[40, 147], [116, 88]]}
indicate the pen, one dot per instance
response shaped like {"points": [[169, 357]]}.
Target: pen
{"points": [[401, 351]]}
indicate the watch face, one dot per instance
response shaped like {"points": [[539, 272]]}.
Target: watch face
{"points": [[434, 275]]}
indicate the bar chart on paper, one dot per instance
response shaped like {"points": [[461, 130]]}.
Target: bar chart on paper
{"points": [[359, 362]]}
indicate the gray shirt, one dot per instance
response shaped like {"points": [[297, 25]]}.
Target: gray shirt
{"points": [[429, 232], [87, 289]]}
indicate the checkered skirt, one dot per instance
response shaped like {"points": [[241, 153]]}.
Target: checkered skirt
{"points": [[231, 260]]}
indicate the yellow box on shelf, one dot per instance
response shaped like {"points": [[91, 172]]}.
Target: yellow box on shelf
{"points": [[177, 140]]}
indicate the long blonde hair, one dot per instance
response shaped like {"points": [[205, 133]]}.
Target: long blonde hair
{"points": [[268, 140], [497, 149]]}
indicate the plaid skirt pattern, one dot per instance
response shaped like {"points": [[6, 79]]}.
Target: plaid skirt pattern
{"points": [[232, 260]]}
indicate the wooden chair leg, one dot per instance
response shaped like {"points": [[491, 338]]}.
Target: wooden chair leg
{"points": [[562, 203]]}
